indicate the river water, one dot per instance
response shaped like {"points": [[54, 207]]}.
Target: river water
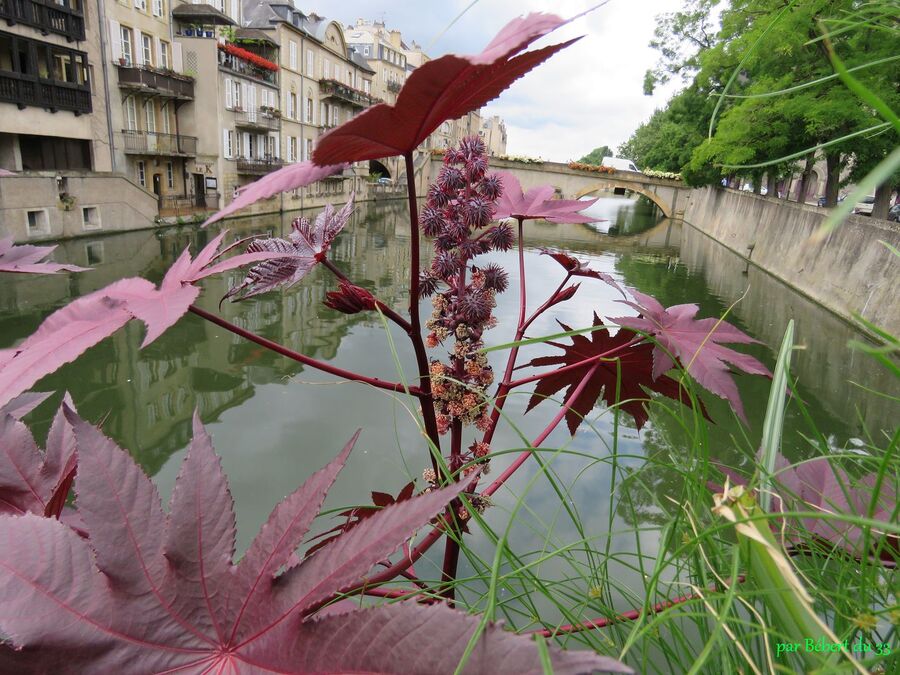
{"points": [[274, 422]]}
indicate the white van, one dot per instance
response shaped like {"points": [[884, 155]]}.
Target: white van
{"points": [[619, 164]]}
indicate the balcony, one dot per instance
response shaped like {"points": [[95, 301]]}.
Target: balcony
{"points": [[340, 91], [394, 87], [28, 90], [152, 80], [151, 143], [262, 121], [62, 18], [258, 167], [263, 69]]}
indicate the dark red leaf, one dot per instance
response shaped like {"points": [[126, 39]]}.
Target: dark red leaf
{"points": [[580, 269], [630, 365], [695, 343], [538, 202], [26, 259], [147, 592]]}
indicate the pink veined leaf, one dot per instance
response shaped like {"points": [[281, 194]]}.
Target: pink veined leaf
{"points": [[306, 246], [537, 203], [815, 485], [443, 89], [424, 640], [69, 331], [32, 481], [26, 258], [23, 404], [290, 177], [696, 343], [161, 593]]}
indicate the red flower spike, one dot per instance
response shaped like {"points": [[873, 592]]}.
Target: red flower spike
{"points": [[290, 177], [632, 366], [695, 343], [580, 269], [349, 299], [26, 259], [537, 203], [443, 89]]}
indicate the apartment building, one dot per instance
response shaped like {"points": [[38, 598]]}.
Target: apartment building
{"points": [[52, 104], [493, 133], [323, 83]]}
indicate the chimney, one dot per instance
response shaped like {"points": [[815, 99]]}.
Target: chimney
{"points": [[395, 39]]}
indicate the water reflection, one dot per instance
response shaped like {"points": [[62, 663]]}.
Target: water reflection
{"points": [[275, 422]]}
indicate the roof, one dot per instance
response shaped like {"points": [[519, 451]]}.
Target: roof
{"points": [[206, 14], [359, 60], [255, 34]]}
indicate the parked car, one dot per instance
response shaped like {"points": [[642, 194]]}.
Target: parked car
{"points": [[821, 200], [619, 164], [385, 181], [894, 213], [864, 208]]}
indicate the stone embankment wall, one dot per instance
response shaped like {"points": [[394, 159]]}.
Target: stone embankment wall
{"points": [[72, 204], [849, 272]]}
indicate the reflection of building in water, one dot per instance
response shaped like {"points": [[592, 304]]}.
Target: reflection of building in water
{"points": [[146, 397]]}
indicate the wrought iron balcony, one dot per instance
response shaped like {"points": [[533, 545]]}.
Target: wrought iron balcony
{"points": [[257, 120], [339, 90], [163, 82], [151, 143], [63, 18], [28, 90], [258, 166]]}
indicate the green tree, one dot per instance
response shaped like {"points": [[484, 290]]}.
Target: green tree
{"points": [[596, 155]]}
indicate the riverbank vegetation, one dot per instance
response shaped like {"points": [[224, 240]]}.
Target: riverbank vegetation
{"points": [[748, 559], [770, 88]]}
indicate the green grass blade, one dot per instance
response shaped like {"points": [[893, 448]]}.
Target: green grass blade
{"points": [[773, 423]]}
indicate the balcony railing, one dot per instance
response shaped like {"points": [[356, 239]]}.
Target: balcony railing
{"points": [[162, 82], [339, 90], [152, 143], [394, 87], [242, 67], [257, 120], [180, 205], [45, 15], [258, 166], [28, 90]]}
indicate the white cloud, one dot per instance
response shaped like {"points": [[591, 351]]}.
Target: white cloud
{"points": [[587, 95]]}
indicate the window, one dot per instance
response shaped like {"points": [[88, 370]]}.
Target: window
{"points": [[90, 220], [310, 63], [37, 222], [292, 106], [292, 148], [235, 11], [146, 50], [141, 4], [164, 55], [236, 93], [270, 147], [141, 174], [293, 54], [94, 252], [308, 118], [322, 118], [170, 175], [150, 116], [366, 50], [326, 69], [130, 114], [125, 35], [367, 86], [166, 120], [157, 7], [309, 148], [229, 143]]}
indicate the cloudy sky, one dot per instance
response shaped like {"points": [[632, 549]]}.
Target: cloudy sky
{"points": [[585, 96]]}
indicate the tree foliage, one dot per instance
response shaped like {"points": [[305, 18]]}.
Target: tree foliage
{"points": [[596, 155]]}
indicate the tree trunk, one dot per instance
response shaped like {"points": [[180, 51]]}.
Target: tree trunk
{"points": [[804, 179], [882, 200], [832, 178], [771, 185]]}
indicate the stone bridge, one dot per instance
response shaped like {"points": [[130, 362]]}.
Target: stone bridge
{"points": [[669, 195]]}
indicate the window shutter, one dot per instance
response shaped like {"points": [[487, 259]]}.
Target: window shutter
{"points": [[115, 40], [176, 58], [277, 148], [229, 100], [225, 149], [245, 144], [157, 51]]}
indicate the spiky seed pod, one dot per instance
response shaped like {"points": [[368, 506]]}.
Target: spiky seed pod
{"points": [[476, 168], [469, 248], [428, 284], [437, 197], [495, 278], [432, 221], [475, 306], [477, 213], [444, 264], [471, 146], [457, 229], [444, 242], [453, 156], [451, 178], [501, 237], [491, 187]]}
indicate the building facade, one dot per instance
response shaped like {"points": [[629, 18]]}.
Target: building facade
{"points": [[493, 133]]}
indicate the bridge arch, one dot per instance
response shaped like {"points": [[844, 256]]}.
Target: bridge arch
{"points": [[634, 187]]}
